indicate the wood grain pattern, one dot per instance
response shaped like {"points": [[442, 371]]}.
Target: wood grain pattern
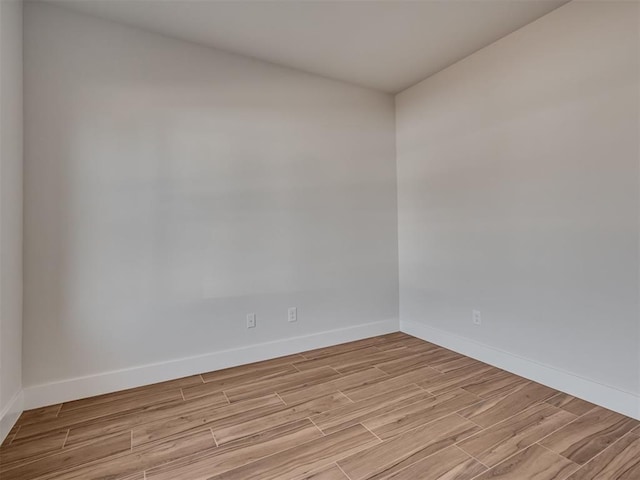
{"points": [[281, 384], [388, 407], [621, 461], [407, 418], [589, 435], [397, 453], [304, 459], [237, 378], [359, 412], [66, 459], [290, 414], [21, 451], [162, 413], [448, 464], [330, 473], [236, 454], [352, 381], [499, 384], [496, 409], [217, 416], [390, 384], [456, 379], [500, 441], [571, 404], [139, 459], [534, 463]]}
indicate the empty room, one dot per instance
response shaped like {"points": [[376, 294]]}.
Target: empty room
{"points": [[319, 239]]}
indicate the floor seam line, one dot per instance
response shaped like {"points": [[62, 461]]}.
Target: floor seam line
{"points": [[472, 456], [340, 468], [314, 424], [629, 433], [381, 441]]}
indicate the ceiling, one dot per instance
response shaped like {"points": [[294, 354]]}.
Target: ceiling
{"points": [[388, 45]]}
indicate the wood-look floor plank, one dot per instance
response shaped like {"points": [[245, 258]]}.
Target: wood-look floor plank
{"points": [[304, 459], [498, 442], [161, 412], [456, 378], [149, 393], [84, 416], [448, 464], [281, 384], [69, 458], [295, 412], [456, 364], [497, 409], [372, 407], [533, 463], [404, 364], [389, 384], [235, 454], [499, 384], [335, 360], [354, 380], [217, 385], [133, 461], [406, 418], [332, 472], [571, 404], [134, 476], [387, 407], [344, 347], [124, 404], [439, 353], [393, 455], [589, 435], [39, 414], [621, 461], [22, 451], [356, 364], [10, 435], [406, 343], [250, 367], [217, 417]]}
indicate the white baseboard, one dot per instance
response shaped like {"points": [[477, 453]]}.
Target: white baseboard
{"points": [[82, 387], [9, 415], [620, 401]]}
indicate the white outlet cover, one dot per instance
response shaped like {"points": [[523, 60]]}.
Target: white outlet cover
{"points": [[477, 318], [251, 320], [293, 314]]}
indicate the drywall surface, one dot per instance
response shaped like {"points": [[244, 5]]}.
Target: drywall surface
{"points": [[10, 212], [172, 189], [518, 180]]}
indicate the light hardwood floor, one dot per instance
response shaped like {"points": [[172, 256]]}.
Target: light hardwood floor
{"points": [[389, 407]]}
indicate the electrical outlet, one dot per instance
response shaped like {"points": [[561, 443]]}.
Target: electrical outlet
{"points": [[293, 314], [477, 319], [251, 320]]}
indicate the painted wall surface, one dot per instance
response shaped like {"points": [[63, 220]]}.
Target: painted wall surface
{"points": [[518, 174], [171, 189], [10, 212]]}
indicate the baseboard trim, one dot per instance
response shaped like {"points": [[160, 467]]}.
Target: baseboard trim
{"points": [[620, 401], [10, 414], [72, 389]]}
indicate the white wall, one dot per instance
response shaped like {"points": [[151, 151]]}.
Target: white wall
{"points": [[171, 189], [10, 213], [518, 173]]}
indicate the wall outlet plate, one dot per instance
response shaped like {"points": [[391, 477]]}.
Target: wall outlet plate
{"points": [[251, 320], [476, 317], [293, 314]]}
